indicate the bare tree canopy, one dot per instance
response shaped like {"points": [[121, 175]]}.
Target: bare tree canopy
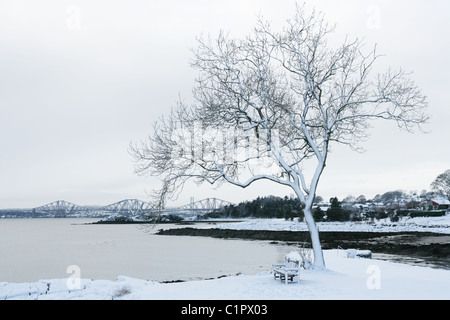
{"points": [[442, 184], [269, 106]]}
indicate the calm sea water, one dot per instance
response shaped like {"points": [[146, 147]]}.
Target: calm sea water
{"points": [[34, 249]]}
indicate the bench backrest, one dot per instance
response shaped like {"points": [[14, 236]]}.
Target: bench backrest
{"points": [[292, 263]]}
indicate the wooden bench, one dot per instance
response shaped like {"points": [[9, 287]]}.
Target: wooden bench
{"points": [[287, 271]]}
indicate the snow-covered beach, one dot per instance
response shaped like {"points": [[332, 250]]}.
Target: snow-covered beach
{"points": [[344, 278]]}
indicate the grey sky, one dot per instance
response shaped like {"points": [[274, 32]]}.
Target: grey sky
{"points": [[80, 80]]}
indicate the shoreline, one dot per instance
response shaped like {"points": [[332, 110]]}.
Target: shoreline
{"points": [[433, 248], [345, 279], [161, 222]]}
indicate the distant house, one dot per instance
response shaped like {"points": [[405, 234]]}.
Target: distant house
{"points": [[440, 204], [324, 206]]}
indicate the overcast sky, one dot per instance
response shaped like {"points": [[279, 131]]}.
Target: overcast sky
{"points": [[80, 80]]}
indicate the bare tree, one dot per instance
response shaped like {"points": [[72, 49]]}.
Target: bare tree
{"points": [[270, 106], [442, 184]]}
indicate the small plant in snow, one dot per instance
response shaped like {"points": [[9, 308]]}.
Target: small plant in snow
{"points": [[306, 255], [303, 256], [120, 292]]}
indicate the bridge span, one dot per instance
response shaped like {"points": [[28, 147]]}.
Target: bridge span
{"points": [[127, 208]]}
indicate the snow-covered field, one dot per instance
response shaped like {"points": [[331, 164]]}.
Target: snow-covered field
{"points": [[420, 224], [344, 278]]}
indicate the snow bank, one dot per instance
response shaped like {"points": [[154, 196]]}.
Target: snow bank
{"points": [[65, 289], [344, 278]]}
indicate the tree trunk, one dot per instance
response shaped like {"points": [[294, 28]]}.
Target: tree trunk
{"points": [[319, 261]]}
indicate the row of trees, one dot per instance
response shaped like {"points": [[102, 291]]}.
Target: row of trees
{"points": [[276, 207], [388, 198], [345, 210], [440, 187], [261, 207]]}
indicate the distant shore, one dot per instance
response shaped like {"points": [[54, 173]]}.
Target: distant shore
{"points": [[161, 222]]}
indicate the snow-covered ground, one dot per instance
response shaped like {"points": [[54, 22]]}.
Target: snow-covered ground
{"points": [[344, 278], [420, 224]]}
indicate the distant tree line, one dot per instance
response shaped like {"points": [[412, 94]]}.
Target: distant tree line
{"points": [[391, 204], [340, 211], [261, 207]]}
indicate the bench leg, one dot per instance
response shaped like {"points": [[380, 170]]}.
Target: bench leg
{"points": [[286, 277]]}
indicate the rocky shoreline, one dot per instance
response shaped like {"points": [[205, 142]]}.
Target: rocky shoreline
{"points": [[433, 248]]}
